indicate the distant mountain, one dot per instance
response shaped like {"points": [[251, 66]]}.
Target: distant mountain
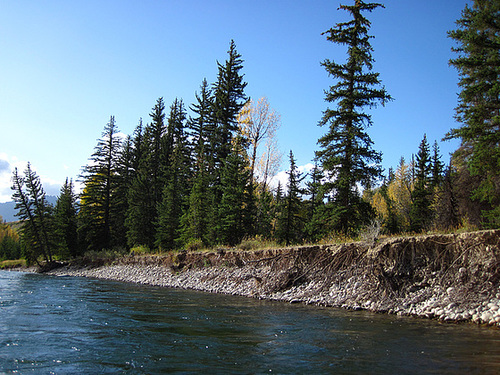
{"points": [[8, 211]]}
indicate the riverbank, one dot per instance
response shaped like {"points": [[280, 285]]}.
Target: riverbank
{"points": [[448, 277]]}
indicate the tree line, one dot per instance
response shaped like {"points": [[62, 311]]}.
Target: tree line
{"points": [[203, 179]]}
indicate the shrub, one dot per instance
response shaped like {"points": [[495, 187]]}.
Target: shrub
{"points": [[139, 250], [195, 244], [255, 243], [371, 232]]}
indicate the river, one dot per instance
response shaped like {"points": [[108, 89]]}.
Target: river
{"points": [[69, 325]]}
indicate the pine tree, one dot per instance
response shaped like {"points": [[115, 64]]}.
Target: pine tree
{"points": [[194, 222], [234, 185], [292, 220], [437, 166], [125, 174], [478, 65], [159, 149], [66, 220], [98, 195], [177, 176], [421, 212], [447, 211], [347, 156], [201, 127], [33, 208], [315, 208], [229, 99], [146, 189], [141, 213]]}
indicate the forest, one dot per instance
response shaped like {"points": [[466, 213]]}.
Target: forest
{"points": [[199, 176]]}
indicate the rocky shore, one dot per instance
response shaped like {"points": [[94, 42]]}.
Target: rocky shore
{"points": [[447, 277]]}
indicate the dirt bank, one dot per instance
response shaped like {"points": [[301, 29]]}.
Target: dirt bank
{"points": [[448, 277]]}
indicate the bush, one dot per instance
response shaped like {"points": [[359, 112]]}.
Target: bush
{"points": [[195, 245], [140, 250], [255, 243], [371, 232]]}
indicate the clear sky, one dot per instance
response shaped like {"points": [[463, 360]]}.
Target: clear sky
{"points": [[66, 66]]}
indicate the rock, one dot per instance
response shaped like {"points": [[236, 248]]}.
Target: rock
{"points": [[486, 317], [493, 306]]}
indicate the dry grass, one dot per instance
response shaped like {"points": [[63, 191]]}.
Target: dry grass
{"points": [[17, 263]]}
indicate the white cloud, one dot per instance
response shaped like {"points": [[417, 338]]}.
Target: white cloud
{"points": [[7, 166], [282, 177]]}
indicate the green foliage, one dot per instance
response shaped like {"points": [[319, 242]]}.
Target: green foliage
{"points": [[66, 224], [346, 154], [478, 61], [10, 245], [234, 187], [99, 220], [229, 98], [140, 250], [33, 208], [12, 263], [421, 213], [290, 218], [194, 245], [177, 179]]}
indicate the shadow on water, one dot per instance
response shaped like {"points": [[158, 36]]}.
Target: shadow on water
{"points": [[77, 325]]}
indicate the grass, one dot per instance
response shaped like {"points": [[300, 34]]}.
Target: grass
{"points": [[8, 264]]}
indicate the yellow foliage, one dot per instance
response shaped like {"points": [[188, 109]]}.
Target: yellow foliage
{"points": [[380, 205], [399, 192], [7, 231]]}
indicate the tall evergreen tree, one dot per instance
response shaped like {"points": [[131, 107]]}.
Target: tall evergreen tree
{"points": [[196, 217], [201, 126], [478, 65], [292, 220], [232, 218], [32, 208], [66, 221], [315, 207], [177, 179], [437, 166], [159, 149], [98, 198], [146, 189], [421, 212], [125, 174], [229, 98], [346, 151]]}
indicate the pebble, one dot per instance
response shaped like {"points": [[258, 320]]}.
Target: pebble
{"points": [[447, 304]]}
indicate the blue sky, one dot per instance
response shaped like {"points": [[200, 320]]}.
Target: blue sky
{"points": [[66, 66]]}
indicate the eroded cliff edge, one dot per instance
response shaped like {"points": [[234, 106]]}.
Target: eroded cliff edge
{"points": [[450, 277]]}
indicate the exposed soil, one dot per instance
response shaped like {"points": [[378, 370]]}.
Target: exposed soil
{"points": [[450, 277]]}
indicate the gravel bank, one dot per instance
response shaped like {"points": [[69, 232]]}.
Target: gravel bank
{"points": [[449, 277]]}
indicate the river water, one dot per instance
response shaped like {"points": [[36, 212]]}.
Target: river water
{"points": [[69, 325]]}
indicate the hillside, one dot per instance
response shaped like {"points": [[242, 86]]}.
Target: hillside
{"points": [[8, 210]]}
